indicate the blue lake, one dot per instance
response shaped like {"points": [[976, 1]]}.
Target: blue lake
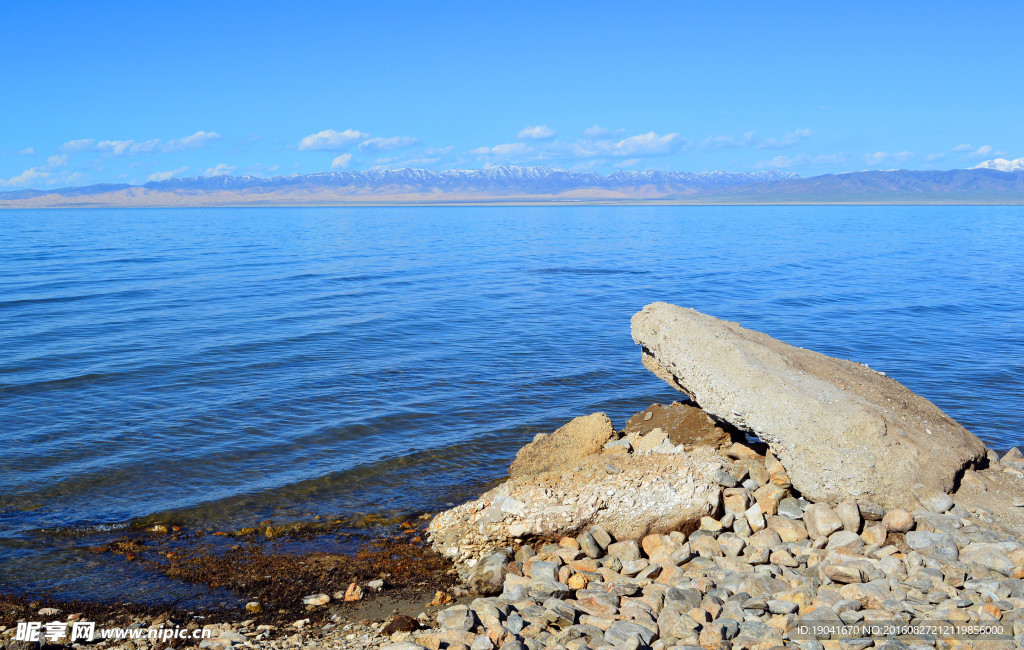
{"points": [[218, 367]]}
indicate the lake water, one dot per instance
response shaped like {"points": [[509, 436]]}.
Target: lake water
{"points": [[217, 367]]}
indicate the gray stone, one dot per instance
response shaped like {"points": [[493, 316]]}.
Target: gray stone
{"points": [[487, 577], [589, 545], [600, 536], [840, 429], [845, 539], [782, 607], [790, 507], [542, 570], [562, 613], [621, 631], [937, 545], [932, 499], [458, 617], [990, 556]]}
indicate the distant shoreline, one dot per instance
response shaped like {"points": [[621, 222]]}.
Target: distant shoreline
{"points": [[539, 186], [505, 203]]}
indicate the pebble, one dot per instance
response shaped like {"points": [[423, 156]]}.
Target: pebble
{"points": [[741, 581]]}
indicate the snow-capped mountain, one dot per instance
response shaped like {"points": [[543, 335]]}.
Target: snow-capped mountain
{"points": [[994, 182], [502, 179], [1003, 165]]}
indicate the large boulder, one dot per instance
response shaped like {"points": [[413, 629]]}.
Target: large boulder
{"points": [[629, 495], [581, 437], [840, 429]]}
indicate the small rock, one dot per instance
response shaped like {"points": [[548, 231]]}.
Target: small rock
{"points": [[938, 545], [821, 520], [353, 593], [316, 600], [898, 520], [459, 618], [253, 607], [932, 499], [487, 577], [874, 534], [376, 585], [849, 514], [844, 573]]}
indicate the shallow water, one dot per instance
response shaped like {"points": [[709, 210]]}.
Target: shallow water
{"points": [[220, 366]]}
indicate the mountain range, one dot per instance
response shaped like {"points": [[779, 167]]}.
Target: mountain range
{"points": [[998, 181]]}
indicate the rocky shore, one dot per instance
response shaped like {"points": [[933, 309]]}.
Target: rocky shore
{"points": [[791, 500]]}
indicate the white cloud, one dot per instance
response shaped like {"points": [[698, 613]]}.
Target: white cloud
{"points": [[27, 151], [388, 144], [539, 132], [194, 141], [983, 150], [962, 148], [341, 161], [163, 176], [932, 157], [221, 169], [880, 157], [331, 140], [516, 148], [645, 144], [74, 146], [728, 141]]}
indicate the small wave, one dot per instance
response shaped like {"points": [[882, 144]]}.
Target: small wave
{"points": [[589, 271]]}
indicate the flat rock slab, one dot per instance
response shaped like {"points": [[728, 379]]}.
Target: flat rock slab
{"points": [[840, 429], [629, 497]]}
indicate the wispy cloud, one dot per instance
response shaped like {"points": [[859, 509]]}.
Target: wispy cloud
{"points": [[632, 162], [163, 176], [388, 144], [39, 173], [194, 141], [221, 169], [881, 157], [727, 141], [600, 133], [122, 147], [342, 161], [502, 150], [751, 139], [785, 141], [539, 132], [645, 144], [980, 152], [803, 160], [27, 151], [331, 140]]}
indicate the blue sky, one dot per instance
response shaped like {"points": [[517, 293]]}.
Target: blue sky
{"points": [[130, 92]]}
